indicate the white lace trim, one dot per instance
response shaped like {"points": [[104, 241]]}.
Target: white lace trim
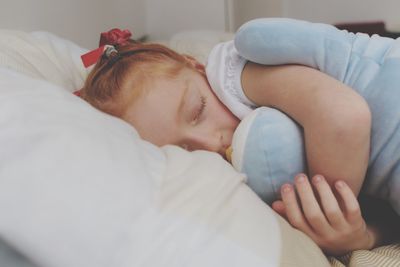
{"points": [[234, 66], [224, 70]]}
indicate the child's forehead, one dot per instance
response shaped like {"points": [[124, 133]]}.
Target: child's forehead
{"points": [[154, 79]]}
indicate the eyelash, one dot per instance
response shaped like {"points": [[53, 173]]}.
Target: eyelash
{"points": [[201, 109]]}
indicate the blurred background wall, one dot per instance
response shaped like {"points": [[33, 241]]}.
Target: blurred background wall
{"points": [[82, 20], [78, 20]]}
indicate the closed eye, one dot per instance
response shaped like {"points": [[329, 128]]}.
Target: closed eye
{"points": [[200, 110]]}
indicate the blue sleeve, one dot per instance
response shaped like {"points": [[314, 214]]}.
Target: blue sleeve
{"points": [[276, 41]]}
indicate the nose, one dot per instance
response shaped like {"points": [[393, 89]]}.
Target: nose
{"points": [[206, 141], [217, 142]]}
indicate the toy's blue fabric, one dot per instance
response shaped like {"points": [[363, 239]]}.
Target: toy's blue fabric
{"points": [[370, 65], [268, 147]]}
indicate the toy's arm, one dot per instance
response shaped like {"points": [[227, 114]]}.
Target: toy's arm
{"points": [[335, 119], [278, 41]]}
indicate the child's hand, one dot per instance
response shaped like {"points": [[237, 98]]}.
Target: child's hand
{"points": [[336, 228]]}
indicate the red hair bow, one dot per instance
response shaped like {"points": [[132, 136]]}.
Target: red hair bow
{"points": [[113, 37]]}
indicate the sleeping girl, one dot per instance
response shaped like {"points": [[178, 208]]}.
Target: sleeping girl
{"points": [[167, 97]]}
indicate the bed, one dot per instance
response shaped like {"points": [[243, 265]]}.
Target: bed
{"points": [[81, 188]]}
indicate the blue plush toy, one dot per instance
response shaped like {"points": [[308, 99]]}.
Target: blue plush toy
{"points": [[268, 145]]}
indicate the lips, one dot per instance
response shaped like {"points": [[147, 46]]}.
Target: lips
{"points": [[223, 151]]}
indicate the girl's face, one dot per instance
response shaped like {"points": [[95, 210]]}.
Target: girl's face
{"points": [[184, 112]]}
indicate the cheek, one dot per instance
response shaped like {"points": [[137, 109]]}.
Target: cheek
{"points": [[149, 125], [219, 112], [223, 115]]}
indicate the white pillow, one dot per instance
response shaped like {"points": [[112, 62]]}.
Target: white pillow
{"points": [[43, 55], [80, 188]]}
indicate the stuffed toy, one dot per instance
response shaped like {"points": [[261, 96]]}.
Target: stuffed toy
{"points": [[268, 145]]}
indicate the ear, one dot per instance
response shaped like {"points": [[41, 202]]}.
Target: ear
{"points": [[195, 64]]}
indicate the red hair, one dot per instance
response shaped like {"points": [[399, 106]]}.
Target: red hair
{"points": [[117, 80]]}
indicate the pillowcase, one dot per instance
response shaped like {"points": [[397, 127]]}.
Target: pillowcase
{"points": [[43, 55]]}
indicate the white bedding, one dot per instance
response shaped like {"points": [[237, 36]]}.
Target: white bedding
{"points": [[80, 188], [43, 56]]}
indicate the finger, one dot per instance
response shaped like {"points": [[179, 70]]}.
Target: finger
{"points": [[329, 202], [350, 202], [293, 211], [310, 205], [279, 207]]}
